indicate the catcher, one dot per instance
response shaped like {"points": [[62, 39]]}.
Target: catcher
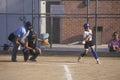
{"points": [[31, 46]]}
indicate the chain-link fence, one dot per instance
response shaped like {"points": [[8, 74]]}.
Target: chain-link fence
{"points": [[103, 16]]}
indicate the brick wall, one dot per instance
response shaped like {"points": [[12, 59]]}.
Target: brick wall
{"points": [[72, 27]]}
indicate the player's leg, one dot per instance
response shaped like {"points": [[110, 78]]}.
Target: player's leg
{"points": [[95, 54], [83, 54], [32, 57], [14, 52], [86, 46], [38, 51], [26, 54], [35, 55]]}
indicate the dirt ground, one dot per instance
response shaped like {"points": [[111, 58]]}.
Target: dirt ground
{"points": [[60, 68]]}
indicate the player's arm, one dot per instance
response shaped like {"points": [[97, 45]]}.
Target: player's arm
{"points": [[45, 41], [17, 40], [87, 37], [118, 49], [40, 40], [27, 46]]}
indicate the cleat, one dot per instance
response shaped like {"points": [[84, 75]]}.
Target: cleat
{"points": [[98, 62]]}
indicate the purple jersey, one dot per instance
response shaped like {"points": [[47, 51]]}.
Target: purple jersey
{"points": [[114, 42]]}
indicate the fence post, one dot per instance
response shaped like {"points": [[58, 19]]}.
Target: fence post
{"points": [[96, 19], [51, 32]]}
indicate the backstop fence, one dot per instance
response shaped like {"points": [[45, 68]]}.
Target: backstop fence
{"points": [[63, 27]]}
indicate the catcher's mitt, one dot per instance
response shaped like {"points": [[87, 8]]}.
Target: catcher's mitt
{"points": [[45, 42]]}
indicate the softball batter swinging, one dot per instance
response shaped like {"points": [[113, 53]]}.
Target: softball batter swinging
{"points": [[88, 43]]}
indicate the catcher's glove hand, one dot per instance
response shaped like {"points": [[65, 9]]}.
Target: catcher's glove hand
{"points": [[45, 42]]}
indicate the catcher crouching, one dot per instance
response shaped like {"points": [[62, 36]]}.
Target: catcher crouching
{"points": [[31, 46]]}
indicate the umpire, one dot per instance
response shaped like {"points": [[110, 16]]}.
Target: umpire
{"points": [[18, 36]]}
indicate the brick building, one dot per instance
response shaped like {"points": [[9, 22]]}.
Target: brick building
{"points": [[76, 11], [65, 29]]}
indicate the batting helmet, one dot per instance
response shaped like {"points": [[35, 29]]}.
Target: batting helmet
{"points": [[86, 25]]}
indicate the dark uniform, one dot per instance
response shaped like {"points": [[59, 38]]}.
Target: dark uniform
{"points": [[32, 42]]}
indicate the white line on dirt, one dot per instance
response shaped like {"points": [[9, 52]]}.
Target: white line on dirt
{"points": [[68, 73], [47, 63]]}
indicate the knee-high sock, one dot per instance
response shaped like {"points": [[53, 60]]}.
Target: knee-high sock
{"points": [[95, 54]]}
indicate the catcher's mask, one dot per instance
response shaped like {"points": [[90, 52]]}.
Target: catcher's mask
{"points": [[32, 35]]}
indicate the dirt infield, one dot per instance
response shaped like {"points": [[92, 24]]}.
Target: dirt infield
{"points": [[60, 68]]}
